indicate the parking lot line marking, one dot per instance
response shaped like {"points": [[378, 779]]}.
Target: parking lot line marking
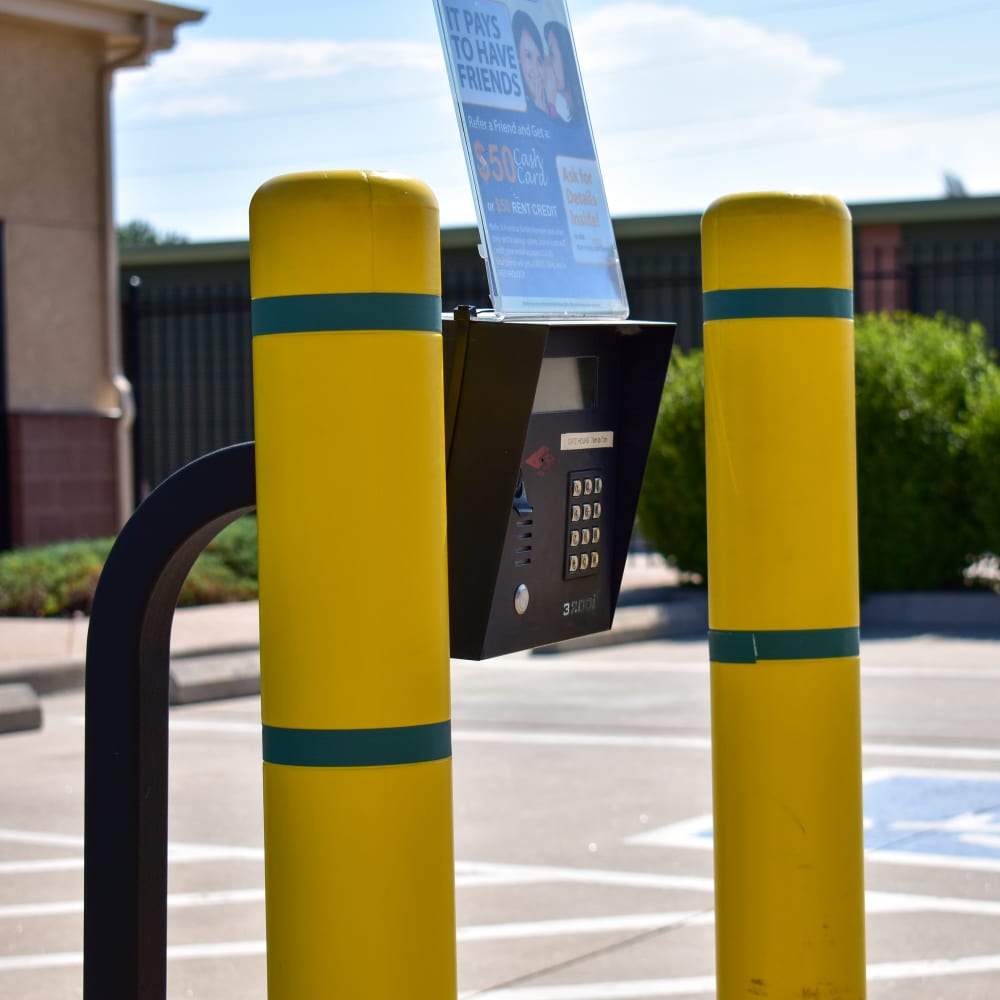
{"points": [[40, 866], [593, 661], [648, 740], [535, 874], [57, 908], [585, 925], [49, 960], [906, 902], [969, 965], [914, 860], [221, 949], [586, 663], [177, 850], [654, 741], [568, 738], [55, 960], [931, 752], [40, 838], [651, 989], [639, 989], [180, 852], [875, 903], [175, 900]]}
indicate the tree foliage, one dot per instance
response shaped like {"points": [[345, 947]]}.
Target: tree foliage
{"points": [[139, 233], [928, 431]]}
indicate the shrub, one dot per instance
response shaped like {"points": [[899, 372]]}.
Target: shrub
{"points": [[672, 503], [918, 380], [227, 569], [928, 417], [984, 465], [61, 579], [51, 579]]}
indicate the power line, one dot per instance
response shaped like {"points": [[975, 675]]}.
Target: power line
{"points": [[730, 148], [727, 146], [306, 111], [720, 119], [750, 45], [800, 8], [860, 29], [299, 112], [857, 101], [946, 13]]}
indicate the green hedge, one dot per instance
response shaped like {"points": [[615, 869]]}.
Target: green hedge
{"points": [[984, 462], [672, 503], [51, 579], [60, 579], [928, 419]]}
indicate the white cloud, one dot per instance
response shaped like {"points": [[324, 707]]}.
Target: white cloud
{"points": [[224, 77], [198, 62], [623, 37], [685, 107], [194, 106]]}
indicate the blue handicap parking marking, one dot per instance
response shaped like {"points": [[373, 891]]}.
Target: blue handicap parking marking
{"points": [[913, 816], [925, 813]]}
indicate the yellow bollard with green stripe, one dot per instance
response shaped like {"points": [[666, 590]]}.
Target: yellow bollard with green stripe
{"points": [[783, 597], [355, 702]]}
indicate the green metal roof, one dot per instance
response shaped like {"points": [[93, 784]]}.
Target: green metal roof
{"points": [[940, 210]]}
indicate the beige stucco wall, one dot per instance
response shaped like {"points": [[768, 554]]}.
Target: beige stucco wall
{"points": [[52, 204]]}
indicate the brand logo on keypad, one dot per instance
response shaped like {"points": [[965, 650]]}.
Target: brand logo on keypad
{"points": [[541, 459]]}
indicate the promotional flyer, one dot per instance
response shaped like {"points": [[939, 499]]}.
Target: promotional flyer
{"points": [[550, 248]]}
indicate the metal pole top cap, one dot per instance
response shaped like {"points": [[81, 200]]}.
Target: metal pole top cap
{"points": [[776, 240]]}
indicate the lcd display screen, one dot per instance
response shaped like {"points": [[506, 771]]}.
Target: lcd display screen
{"points": [[566, 384]]}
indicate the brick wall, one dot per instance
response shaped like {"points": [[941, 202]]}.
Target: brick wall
{"points": [[62, 477]]}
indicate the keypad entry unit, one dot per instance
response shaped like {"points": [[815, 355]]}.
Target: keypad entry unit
{"points": [[584, 523], [547, 428], [554, 577]]}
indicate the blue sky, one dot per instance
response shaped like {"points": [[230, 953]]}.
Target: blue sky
{"points": [[869, 100]]}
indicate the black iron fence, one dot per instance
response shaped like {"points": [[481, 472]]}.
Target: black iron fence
{"points": [[188, 347], [188, 356], [965, 286]]}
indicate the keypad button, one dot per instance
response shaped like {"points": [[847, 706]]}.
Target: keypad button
{"points": [[583, 508]]}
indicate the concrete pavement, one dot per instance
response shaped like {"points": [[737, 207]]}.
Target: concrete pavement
{"points": [[583, 830], [48, 654]]}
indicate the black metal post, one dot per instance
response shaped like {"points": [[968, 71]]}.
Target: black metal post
{"points": [[127, 702], [6, 500], [131, 334]]}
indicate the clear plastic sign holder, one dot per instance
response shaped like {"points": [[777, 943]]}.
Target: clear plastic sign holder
{"points": [[543, 216]]}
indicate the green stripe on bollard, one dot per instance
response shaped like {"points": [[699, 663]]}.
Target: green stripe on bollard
{"points": [[787, 644], [779, 303], [345, 311], [357, 747]]}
